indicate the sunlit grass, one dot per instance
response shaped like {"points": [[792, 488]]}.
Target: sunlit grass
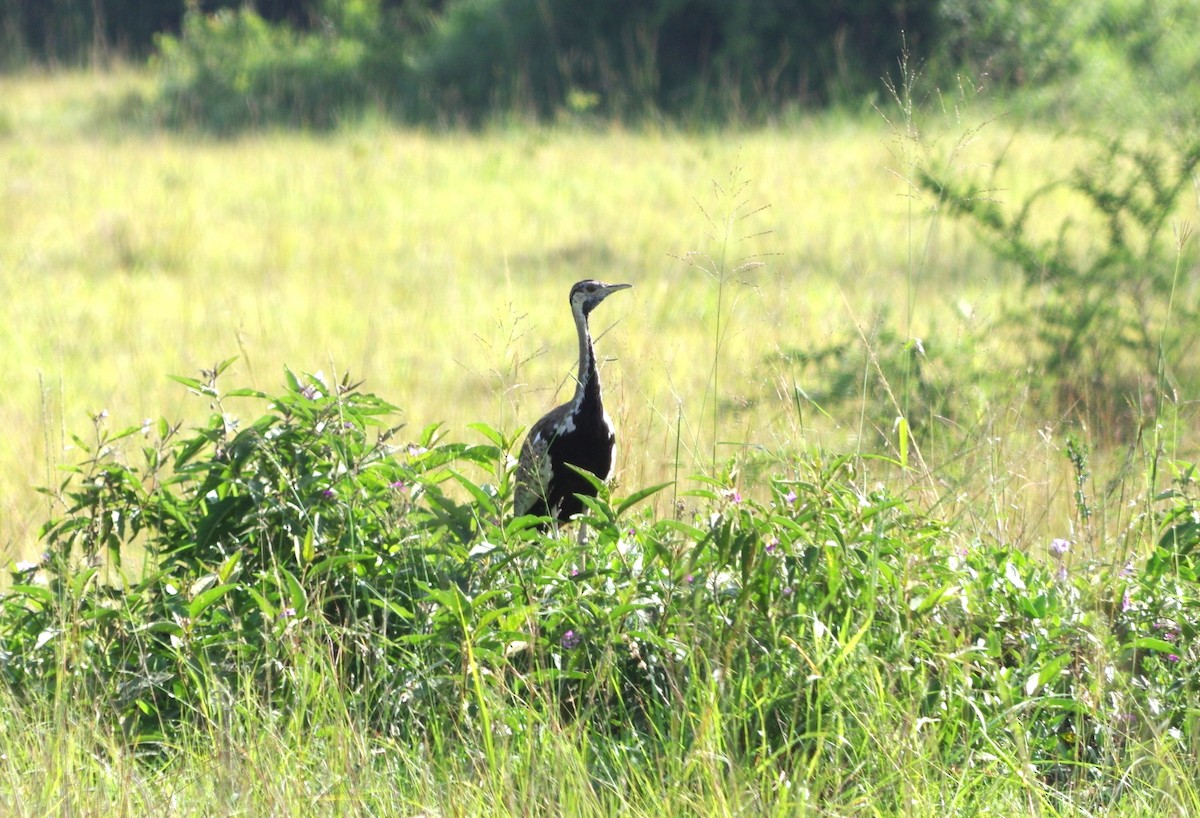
{"points": [[433, 266]]}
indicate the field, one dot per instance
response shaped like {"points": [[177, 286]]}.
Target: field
{"points": [[434, 268]]}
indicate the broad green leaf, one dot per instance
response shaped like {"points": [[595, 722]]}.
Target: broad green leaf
{"points": [[638, 496], [207, 598], [1048, 672], [1150, 643]]}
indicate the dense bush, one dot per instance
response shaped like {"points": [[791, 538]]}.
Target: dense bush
{"points": [[313, 534], [232, 69], [681, 57]]}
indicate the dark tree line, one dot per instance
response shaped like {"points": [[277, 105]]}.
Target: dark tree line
{"points": [[769, 34], [226, 64], [76, 32]]}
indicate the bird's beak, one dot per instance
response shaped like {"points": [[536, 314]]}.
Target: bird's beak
{"points": [[609, 289]]}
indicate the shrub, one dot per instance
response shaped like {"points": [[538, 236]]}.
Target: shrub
{"points": [[232, 69], [1104, 297], [795, 628]]}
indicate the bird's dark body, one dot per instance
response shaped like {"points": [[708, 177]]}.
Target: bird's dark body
{"points": [[578, 433], [589, 446]]}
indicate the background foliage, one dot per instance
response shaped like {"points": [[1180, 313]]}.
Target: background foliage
{"points": [[226, 65]]}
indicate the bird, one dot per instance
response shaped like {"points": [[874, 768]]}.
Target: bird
{"points": [[579, 433]]}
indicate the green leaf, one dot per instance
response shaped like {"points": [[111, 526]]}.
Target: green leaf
{"points": [[307, 551], [80, 581], [39, 592], [453, 599], [638, 496], [293, 382], [489, 433], [486, 501], [525, 522], [264, 604], [191, 383], [296, 594], [1150, 643], [929, 602], [1180, 539], [1013, 575], [207, 598], [1047, 673], [689, 531]]}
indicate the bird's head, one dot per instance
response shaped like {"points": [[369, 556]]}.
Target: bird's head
{"points": [[585, 295]]}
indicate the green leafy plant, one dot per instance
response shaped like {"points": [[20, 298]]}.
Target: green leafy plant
{"points": [[232, 69], [308, 560]]}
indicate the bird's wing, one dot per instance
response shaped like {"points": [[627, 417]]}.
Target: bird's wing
{"points": [[534, 470]]}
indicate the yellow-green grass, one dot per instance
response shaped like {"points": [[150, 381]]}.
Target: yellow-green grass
{"points": [[435, 267]]}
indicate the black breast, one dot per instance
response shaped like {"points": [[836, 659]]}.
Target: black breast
{"points": [[588, 446]]}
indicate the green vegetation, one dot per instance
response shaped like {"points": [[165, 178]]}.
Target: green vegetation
{"points": [[879, 540], [827, 645], [225, 66]]}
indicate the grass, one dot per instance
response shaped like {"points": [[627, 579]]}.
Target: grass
{"points": [[434, 266]]}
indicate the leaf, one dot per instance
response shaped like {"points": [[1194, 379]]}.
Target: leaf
{"points": [[191, 383], [638, 496], [486, 501], [453, 599], [1047, 673], [594, 481], [80, 581], [1014, 576], [307, 551], [489, 433], [38, 592], [524, 523], [296, 593], [1150, 643], [293, 382], [264, 604], [924, 605], [1180, 539], [204, 600], [225, 364], [229, 566], [902, 428], [247, 393], [686, 529]]}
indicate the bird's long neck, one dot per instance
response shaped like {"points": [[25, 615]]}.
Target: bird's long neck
{"points": [[588, 383]]}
